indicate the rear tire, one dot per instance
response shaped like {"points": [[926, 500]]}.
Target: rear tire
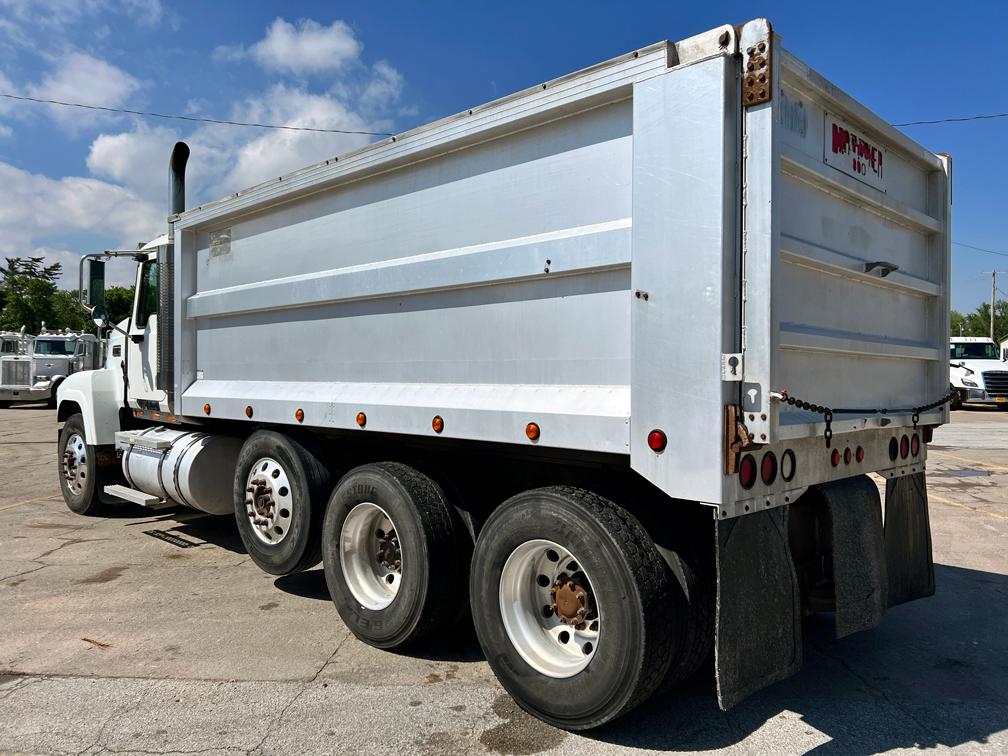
{"points": [[280, 521], [526, 623], [81, 480], [396, 555], [5, 405], [956, 402]]}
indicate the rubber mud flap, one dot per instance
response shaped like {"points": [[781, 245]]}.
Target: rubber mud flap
{"points": [[859, 563], [909, 560], [758, 635]]}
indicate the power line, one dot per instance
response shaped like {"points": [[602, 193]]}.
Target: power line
{"points": [[980, 249], [986, 117], [198, 119]]}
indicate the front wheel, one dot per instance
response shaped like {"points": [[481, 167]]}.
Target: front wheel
{"points": [[78, 468], [574, 606]]}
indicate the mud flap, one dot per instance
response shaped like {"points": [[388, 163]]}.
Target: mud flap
{"points": [[909, 560], [758, 636], [859, 556]]}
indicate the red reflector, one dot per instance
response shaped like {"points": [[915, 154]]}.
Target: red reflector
{"points": [[747, 471], [847, 456], [915, 445], [859, 454], [657, 441], [835, 457], [768, 468], [904, 447]]}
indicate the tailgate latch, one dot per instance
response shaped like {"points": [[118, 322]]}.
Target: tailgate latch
{"points": [[737, 437]]}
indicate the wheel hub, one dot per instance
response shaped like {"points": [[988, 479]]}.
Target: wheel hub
{"points": [[371, 557], [268, 501], [570, 601], [389, 554], [75, 464]]}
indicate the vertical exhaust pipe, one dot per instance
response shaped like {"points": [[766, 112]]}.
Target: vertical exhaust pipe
{"points": [[176, 176], [166, 279]]}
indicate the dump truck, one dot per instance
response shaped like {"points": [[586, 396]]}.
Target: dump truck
{"points": [[32, 367], [605, 363]]}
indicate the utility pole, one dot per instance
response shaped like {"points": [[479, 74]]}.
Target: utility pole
{"points": [[993, 292]]}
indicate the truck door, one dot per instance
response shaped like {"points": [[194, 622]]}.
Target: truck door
{"points": [[141, 349]]}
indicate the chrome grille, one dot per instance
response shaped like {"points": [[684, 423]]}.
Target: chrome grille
{"points": [[996, 382], [15, 373]]}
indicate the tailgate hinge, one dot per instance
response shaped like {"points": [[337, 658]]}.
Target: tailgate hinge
{"points": [[757, 68]]}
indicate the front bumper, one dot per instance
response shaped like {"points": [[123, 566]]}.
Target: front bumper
{"points": [[980, 396], [37, 393]]}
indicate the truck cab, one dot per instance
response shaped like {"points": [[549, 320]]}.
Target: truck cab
{"points": [[976, 372]]}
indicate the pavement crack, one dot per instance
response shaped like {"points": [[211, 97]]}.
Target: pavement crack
{"points": [[26, 572]]}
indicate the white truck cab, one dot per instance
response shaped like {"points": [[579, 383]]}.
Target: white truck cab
{"points": [[976, 372]]}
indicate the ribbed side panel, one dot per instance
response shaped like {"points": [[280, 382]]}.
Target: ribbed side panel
{"points": [[166, 324]]}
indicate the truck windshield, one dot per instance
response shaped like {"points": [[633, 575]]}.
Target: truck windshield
{"points": [[8, 346], [63, 346], [974, 351]]}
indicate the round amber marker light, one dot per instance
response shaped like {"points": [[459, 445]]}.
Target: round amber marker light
{"points": [[206, 409], [437, 423], [299, 415], [532, 431], [248, 411], [361, 419]]}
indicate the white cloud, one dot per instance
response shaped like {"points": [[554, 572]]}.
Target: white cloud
{"points": [[82, 78], [36, 207], [118, 271], [383, 89], [306, 47]]}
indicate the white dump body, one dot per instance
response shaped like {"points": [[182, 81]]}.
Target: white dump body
{"points": [[585, 255]]}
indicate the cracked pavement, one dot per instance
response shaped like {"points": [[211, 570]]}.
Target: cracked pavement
{"points": [[153, 633]]}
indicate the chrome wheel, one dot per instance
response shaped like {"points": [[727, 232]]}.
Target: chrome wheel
{"points": [[268, 501], [370, 556], [75, 464], [548, 608]]}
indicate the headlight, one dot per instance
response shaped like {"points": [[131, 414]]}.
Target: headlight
{"points": [[968, 382]]}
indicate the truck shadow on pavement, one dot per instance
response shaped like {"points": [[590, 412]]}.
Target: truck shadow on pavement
{"points": [[933, 673]]}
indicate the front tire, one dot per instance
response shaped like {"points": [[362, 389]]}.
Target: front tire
{"points": [[80, 479], [396, 555], [574, 606], [279, 494]]}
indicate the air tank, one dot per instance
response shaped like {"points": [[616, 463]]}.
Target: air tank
{"points": [[189, 468]]}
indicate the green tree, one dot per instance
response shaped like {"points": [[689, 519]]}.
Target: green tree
{"points": [[119, 302], [977, 323], [28, 286]]}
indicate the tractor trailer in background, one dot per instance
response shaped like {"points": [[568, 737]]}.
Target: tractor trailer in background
{"points": [[606, 362], [33, 367]]}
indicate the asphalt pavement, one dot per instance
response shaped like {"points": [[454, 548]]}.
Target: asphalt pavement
{"points": [[154, 633]]}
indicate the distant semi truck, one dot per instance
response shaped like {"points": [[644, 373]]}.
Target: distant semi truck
{"points": [[33, 367], [605, 362], [977, 374]]}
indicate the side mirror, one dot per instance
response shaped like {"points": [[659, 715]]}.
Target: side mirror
{"points": [[100, 316], [93, 293]]}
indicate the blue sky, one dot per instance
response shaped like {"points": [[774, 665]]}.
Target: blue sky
{"points": [[74, 181]]}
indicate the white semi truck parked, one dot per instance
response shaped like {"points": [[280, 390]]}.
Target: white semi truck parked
{"points": [[33, 367], [976, 372], [607, 361]]}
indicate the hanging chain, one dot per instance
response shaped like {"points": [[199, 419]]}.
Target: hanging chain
{"points": [[827, 412]]}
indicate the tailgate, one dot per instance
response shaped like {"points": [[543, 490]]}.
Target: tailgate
{"points": [[845, 258]]}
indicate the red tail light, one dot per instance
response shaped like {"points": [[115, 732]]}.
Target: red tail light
{"points": [[847, 456], [768, 468], [747, 471], [657, 440], [915, 445], [859, 454], [835, 457], [904, 446]]}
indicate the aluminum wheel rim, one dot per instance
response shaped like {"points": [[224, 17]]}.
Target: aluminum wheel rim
{"points": [[75, 464], [370, 556], [269, 504], [555, 646]]}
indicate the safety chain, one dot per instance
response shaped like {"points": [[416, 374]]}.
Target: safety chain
{"points": [[827, 413]]}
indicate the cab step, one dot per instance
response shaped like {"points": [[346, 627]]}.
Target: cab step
{"points": [[138, 497]]}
